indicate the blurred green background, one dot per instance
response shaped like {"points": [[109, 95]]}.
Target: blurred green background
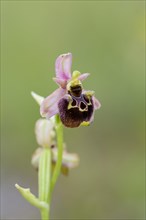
{"points": [[106, 39]]}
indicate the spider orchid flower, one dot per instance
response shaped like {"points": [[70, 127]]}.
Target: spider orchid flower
{"points": [[74, 105]]}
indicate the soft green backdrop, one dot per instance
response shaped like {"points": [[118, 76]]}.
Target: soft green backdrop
{"points": [[106, 39]]}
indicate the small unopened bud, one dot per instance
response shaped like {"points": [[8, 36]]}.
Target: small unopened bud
{"points": [[45, 134]]}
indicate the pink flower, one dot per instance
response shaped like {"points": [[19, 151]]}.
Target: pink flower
{"points": [[75, 105]]}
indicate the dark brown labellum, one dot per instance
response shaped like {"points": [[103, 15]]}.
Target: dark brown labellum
{"points": [[76, 110]]}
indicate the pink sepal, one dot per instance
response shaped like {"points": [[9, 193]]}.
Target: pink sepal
{"points": [[63, 66], [96, 103], [60, 82], [49, 106]]}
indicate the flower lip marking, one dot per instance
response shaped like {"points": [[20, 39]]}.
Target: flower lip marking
{"points": [[76, 106]]}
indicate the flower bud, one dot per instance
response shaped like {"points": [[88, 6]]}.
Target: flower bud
{"points": [[45, 134]]}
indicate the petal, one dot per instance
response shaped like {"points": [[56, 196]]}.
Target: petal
{"points": [[83, 76], [96, 103], [49, 106], [60, 82], [63, 66], [74, 111]]}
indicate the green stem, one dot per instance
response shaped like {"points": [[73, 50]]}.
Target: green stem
{"points": [[46, 184], [44, 178], [44, 214], [59, 133]]}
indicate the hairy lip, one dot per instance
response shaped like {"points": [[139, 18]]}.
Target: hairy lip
{"points": [[75, 110]]}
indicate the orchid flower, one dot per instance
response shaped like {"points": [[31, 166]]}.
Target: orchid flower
{"points": [[74, 105], [69, 160]]}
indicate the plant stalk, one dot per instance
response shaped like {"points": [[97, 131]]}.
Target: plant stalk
{"points": [[44, 179], [59, 134]]}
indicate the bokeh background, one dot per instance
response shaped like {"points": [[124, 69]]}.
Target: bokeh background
{"points": [[106, 39]]}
